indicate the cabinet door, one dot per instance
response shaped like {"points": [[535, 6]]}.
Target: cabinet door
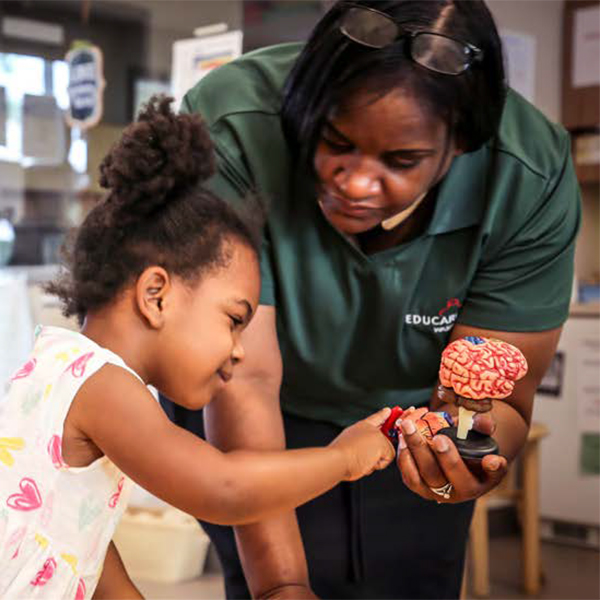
{"points": [[567, 491]]}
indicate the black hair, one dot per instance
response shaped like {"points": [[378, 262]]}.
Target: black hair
{"points": [[332, 67], [157, 212]]}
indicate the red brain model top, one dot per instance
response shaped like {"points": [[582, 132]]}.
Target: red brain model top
{"points": [[478, 368]]}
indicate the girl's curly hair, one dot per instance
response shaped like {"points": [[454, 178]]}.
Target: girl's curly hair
{"points": [[156, 212]]}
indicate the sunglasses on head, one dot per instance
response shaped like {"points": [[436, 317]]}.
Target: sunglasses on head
{"points": [[434, 51]]}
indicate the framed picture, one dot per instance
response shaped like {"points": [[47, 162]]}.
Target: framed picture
{"points": [[275, 21], [552, 382], [143, 86]]}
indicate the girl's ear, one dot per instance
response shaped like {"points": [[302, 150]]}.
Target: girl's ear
{"points": [[151, 291]]}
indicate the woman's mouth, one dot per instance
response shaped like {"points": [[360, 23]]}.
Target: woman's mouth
{"points": [[350, 208]]}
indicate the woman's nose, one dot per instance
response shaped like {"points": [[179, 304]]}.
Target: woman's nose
{"points": [[358, 179]]}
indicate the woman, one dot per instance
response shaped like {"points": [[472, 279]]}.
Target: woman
{"points": [[413, 200]]}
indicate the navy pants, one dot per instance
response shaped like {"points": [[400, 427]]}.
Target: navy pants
{"points": [[372, 538]]}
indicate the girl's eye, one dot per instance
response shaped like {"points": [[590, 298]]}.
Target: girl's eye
{"points": [[236, 321], [337, 147]]}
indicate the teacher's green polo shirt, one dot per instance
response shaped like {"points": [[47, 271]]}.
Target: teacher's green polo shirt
{"points": [[361, 332]]}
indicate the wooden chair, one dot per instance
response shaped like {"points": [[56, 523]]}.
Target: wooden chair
{"points": [[525, 493]]}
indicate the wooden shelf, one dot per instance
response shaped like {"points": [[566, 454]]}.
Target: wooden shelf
{"points": [[587, 174], [580, 105], [589, 309]]}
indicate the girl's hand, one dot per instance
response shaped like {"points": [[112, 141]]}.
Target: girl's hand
{"points": [[426, 467], [364, 447]]}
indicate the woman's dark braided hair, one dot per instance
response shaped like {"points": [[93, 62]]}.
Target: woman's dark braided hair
{"points": [[157, 212]]}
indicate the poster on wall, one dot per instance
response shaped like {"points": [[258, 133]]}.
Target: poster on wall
{"points": [[44, 137], [519, 52], [552, 382], [3, 115], [589, 454], [588, 384], [146, 87], [194, 58], [586, 47], [86, 85]]}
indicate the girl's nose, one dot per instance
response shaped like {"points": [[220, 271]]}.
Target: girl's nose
{"points": [[358, 179], [237, 354]]}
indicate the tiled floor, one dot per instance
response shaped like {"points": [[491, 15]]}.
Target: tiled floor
{"points": [[569, 574], [207, 587]]}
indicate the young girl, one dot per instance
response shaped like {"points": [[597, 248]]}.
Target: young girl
{"points": [[164, 277]]}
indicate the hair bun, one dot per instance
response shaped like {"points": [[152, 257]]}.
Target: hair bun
{"points": [[159, 157]]}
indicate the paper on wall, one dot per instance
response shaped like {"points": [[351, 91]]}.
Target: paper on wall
{"points": [[585, 67], [194, 58], [588, 383], [44, 135], [589, 454], [16, 325], [519, 52], [3, 116]]}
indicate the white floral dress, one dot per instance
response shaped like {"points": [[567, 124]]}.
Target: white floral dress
{"points": [[55, 521]]}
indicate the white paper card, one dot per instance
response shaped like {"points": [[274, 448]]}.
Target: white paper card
{"points": [[194, 58], [588, 383], [44, 131], [3, 116], [519, 52], [16, 325], [586, 47]]}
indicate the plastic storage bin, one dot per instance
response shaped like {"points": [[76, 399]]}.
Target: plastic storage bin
{"points": [[161, 544]]}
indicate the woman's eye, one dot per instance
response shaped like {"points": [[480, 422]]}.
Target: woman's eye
{"points": [[337, 147], [402, 165]]}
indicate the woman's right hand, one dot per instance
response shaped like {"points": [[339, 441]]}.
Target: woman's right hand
{"points": [[364, 447]]}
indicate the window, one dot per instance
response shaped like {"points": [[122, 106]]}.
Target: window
{"points": [[22, 75]]}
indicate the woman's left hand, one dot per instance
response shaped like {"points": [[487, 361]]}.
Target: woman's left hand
{"points": [[425, 467]]}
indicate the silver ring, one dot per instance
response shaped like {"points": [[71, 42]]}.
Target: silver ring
{"points": [[444, 491]]}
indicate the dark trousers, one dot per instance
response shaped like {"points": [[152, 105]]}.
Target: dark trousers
{"points": [[372, 538]]}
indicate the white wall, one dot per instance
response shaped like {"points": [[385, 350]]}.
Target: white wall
{"points": [[177, 19], [543, 20]]}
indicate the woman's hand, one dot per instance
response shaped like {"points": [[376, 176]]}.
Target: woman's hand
{"points": [[424, 466]]}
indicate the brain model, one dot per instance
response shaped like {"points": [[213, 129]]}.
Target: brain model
{"points": [[428, 423], [481, 369]]}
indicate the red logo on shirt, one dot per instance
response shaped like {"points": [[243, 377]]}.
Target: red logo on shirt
{"points": [[451, 303], [442, 322]]}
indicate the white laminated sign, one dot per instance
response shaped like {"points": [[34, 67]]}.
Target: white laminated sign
{"points": [[86, 85]]}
